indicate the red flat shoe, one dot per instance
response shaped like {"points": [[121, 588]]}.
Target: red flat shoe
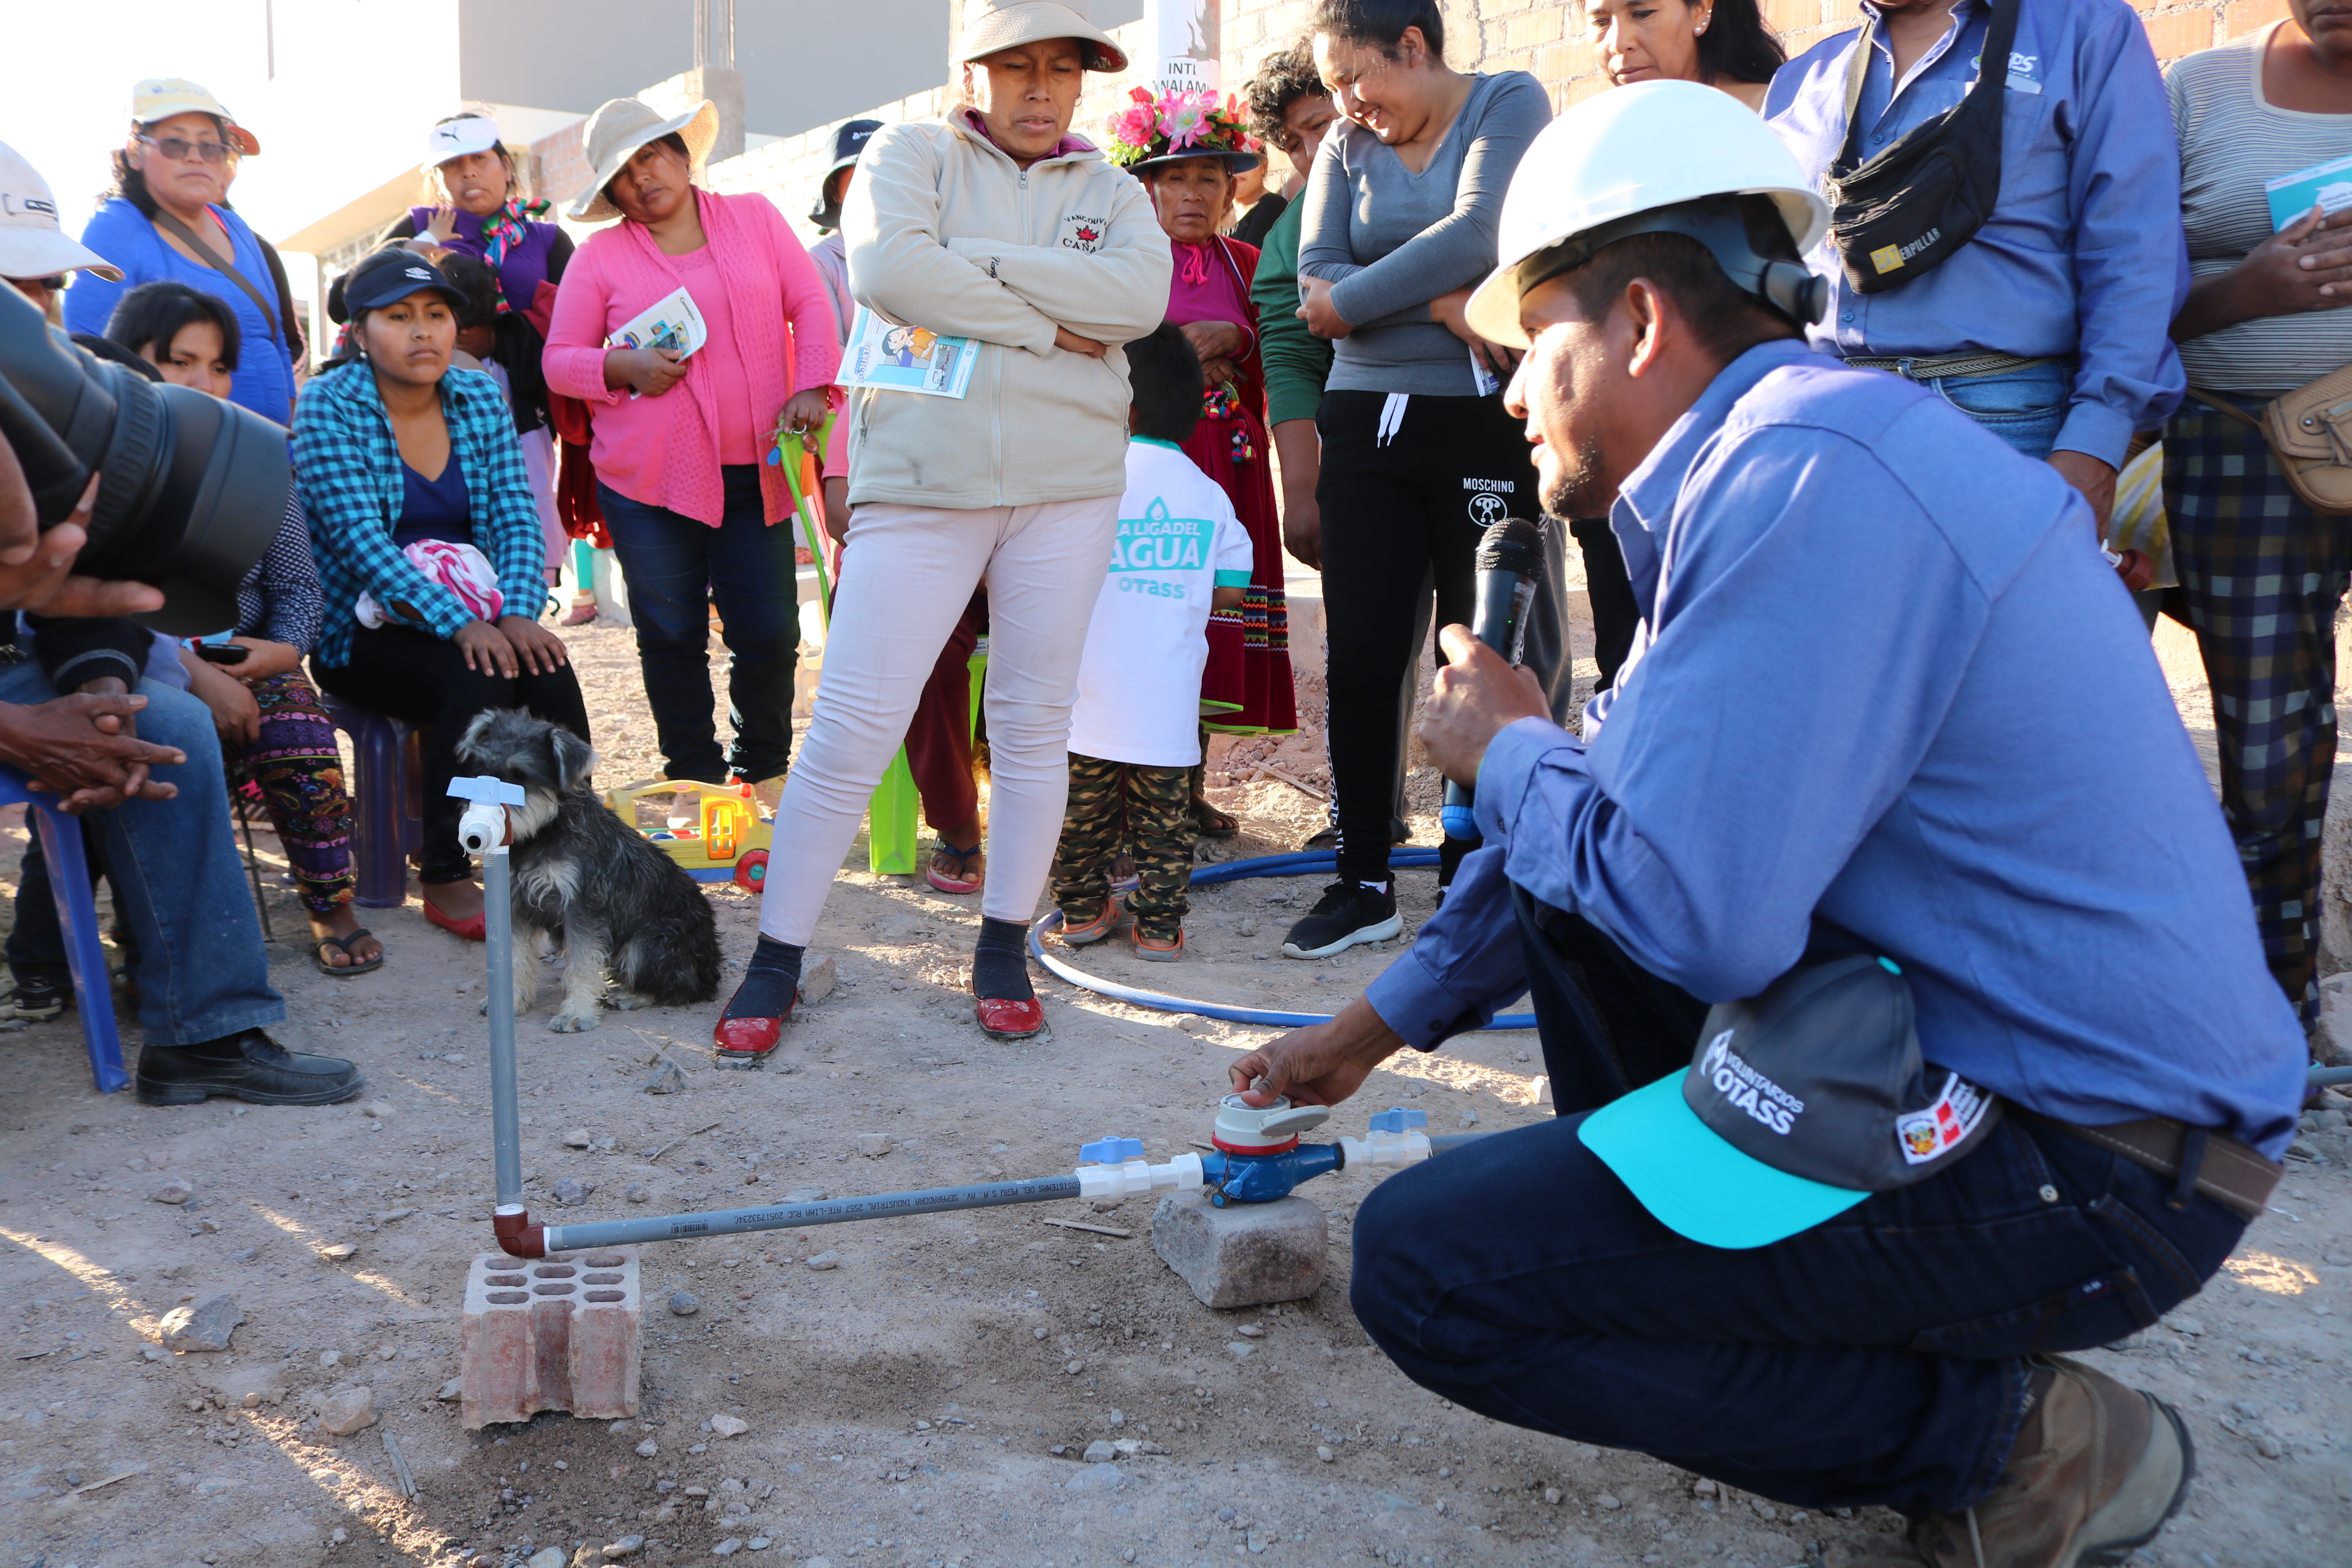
{"points": [[1004, 1020], [751, 1037], [475, 930]]}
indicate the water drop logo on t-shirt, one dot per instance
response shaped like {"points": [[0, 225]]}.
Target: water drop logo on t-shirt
{"points": [[1156, 541]]}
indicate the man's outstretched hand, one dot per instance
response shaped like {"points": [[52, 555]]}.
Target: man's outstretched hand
{"points": [[1477, 695], [1322, 1064], [78, 747], [37, 568]]}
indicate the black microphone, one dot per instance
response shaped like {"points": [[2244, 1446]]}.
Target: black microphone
{"points": [[1510, 564]]}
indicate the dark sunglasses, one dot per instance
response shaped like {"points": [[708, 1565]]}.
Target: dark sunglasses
{"points": [[181, 152]]}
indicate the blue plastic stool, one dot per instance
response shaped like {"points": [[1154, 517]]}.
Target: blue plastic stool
{"points": [[77, 917], [388, 824]]}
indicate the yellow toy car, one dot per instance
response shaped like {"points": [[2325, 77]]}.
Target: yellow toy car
{"points": [[730, 842]]}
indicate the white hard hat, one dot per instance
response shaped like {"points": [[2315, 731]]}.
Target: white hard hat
{"points": [[1629, 150]]}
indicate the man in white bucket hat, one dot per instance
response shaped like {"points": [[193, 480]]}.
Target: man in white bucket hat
{"points": [[1820, 1243], [995, 225], [35, 253]]}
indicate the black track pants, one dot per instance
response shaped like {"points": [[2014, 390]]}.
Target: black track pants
{"points": [[1408, 485]]}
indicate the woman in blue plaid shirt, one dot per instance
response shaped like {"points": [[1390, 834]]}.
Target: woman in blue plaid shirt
{"points": [[394, 449]]}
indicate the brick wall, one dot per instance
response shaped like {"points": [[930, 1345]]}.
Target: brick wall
{"points": [[1546, 37]]}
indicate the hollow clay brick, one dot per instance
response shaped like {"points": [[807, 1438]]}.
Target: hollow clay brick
{"points": [[1243, 1255], [558, 1333]]}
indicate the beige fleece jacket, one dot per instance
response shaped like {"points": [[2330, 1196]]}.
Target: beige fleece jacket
{"points": [[945, 231]]}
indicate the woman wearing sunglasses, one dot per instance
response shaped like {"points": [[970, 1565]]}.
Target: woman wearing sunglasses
{"points": [[168, 221]]}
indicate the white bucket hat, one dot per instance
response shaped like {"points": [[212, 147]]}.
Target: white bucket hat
{"points": [[990, 26], [623, 125], [32, 243]]}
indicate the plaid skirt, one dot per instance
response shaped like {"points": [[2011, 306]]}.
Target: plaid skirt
{"points": [[2263, 574]]}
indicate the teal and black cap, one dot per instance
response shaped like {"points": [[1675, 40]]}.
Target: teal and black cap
{"points": [[1798, 1104]]}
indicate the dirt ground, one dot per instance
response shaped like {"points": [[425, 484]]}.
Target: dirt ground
{"points": [[927, 1401]]}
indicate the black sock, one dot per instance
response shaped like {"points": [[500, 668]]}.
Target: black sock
{"points": [[771, 982], [1000, 962]]}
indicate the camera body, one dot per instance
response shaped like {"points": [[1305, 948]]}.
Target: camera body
{"points": [[191, 489]]}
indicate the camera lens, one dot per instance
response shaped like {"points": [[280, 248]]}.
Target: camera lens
{"points": [[190, 490]]}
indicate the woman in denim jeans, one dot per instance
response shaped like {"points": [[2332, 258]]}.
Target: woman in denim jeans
{"points": [[679, 439]]}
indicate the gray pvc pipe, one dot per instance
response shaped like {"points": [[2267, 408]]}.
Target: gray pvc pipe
{"points": [[506, 1123], [1446, 1143], [2320, 1077], [785, 1216]]}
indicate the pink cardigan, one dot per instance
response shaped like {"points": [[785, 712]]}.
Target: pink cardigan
{"points": [[664, 451]]}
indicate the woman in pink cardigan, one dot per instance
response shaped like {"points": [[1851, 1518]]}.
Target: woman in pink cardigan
{"points": [[680, 438]]}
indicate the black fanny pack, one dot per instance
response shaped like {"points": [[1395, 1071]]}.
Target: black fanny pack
{"points": [[1906, 211]]}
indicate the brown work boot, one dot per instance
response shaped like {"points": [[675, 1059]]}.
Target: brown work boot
{"points": [[2098, 1470]]}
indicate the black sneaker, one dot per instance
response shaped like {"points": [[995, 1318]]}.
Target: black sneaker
{"points": [[250, 1065], [1348, 913], [41, 997]]}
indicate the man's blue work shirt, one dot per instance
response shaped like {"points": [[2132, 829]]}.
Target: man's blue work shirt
{"points": [[2083, 253], [1885, 678]]}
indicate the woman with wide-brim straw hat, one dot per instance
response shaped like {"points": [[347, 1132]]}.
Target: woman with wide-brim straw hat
{"points": [[680, 439], [993, 224]]}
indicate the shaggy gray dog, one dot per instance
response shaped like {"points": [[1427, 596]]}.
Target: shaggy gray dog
{"points": [[610, 901]]}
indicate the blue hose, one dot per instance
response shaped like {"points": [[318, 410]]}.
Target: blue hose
{"points": [[1305, 863]]}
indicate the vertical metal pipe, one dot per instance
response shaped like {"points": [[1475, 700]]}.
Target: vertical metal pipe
{"points": [[506, 1111]]}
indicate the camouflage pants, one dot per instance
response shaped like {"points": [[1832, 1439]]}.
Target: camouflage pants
{"points": [[1146, 810]]}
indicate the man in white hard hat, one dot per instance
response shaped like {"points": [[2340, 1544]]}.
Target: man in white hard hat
{"points": [[1865, 746], [35, 253]]}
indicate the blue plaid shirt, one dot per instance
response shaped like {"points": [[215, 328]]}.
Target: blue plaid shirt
{"points": [[348, 465]]}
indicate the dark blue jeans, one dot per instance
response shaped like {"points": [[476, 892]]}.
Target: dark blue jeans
{"points": [[677, 569], [1875, 1359]]}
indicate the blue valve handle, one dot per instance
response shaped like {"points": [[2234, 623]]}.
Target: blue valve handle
{"points": [[1111, 1151], [1263, 1178], [1398, 1119], [486, 789]]}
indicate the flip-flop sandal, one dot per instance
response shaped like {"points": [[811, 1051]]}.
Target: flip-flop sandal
{"points": [[578, 616], [344, 972], [1210, 823]]}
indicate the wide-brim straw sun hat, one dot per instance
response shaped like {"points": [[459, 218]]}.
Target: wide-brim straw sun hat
{"points": [[991, 25], [618, 129]]}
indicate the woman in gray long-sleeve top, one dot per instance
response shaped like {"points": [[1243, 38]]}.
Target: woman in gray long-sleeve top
{"points": [[1417, 456]]}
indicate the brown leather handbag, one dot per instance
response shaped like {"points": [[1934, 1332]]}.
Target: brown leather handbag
{"points": [[2309, 432]]}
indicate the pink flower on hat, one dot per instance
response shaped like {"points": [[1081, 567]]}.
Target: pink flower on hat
{"points": [[1185, 118]]}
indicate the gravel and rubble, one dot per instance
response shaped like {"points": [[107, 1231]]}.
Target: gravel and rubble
{"points": [[950, 1391]]}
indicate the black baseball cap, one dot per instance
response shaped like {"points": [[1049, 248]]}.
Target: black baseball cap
{"points": [[1798, 1104], [395, 274]]}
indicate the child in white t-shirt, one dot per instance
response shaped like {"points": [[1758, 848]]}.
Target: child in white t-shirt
{"points": [[1136, 735]]}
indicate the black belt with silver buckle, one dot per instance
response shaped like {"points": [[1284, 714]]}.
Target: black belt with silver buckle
{"points": [[2225, 1170]]}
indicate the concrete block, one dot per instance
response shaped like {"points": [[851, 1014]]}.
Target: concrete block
{"points": [[1245, 1254], [559, 1332]]}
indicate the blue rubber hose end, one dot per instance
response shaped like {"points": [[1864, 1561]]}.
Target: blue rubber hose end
{"points": [[1460, 821]]}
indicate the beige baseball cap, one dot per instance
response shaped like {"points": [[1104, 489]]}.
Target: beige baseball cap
{"points": [[32, 243], [162, 97]]}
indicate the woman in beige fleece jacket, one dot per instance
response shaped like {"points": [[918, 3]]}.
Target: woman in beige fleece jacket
{"points": [[997, 224]]}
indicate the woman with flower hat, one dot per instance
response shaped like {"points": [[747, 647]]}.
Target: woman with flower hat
{"points": [[1186, 147]]}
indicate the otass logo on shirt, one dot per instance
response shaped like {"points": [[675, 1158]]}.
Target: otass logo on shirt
{"points": [[1080, 232], [1744, 1087]]}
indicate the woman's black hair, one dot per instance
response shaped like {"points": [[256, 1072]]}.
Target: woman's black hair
{"points": [[1381, 23], [1738, 46], [130, 184], [153, 313], [1283, 79], [676, 143], [1163, 379], [515, 343]]}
